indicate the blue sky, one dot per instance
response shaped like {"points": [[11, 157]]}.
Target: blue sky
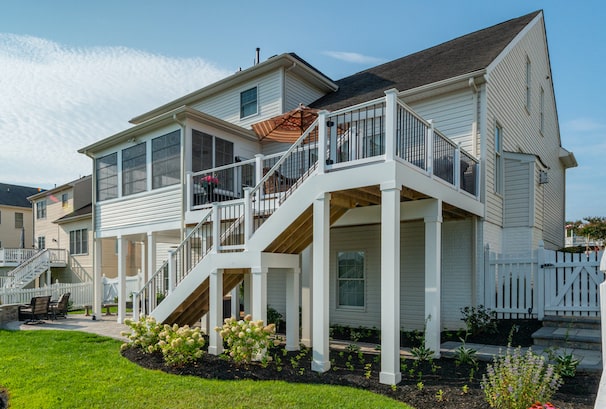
{"points": [[74, 72]]}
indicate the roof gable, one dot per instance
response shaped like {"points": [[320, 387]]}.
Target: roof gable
{"points": [[15, 195], [463, 55]]}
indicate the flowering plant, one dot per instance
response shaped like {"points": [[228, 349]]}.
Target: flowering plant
{"points": [[539, 405], [246, 339], [209, 180], [516, 380]]}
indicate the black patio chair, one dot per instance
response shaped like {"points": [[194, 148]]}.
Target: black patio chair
{"points": [[59, 308]]}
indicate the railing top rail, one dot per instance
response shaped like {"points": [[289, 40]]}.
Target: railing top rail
{"points": [[413, 113], [204, 220], [152, 278], [380, 100], [297, 143], [224, 167]]}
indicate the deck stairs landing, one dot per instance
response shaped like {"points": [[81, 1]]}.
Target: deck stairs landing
{"points": [[569, 333]]}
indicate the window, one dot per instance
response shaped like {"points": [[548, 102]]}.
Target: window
{"points": [[41, 243], [134, 170], [350, 273], [542, 113], [248, 102], [41, 209], [107, 177], [18, 220], [210, 152], [64, 202], [528, 83], [498, 159], [166, 160], [78, 241]]}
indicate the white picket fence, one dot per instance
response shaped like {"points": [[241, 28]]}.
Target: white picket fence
{"points": [[544, 283], [80, 293]]}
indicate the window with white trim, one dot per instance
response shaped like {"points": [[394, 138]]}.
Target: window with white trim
{"points": [[78, 241], [41, 209], [64, 200], [248, 102], [166, 160], [41, 243], [498, 159], [134, 169], [106, 168], [351, 279]]}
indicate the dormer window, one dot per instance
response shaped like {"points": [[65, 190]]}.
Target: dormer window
{"points": [[248, 102]]}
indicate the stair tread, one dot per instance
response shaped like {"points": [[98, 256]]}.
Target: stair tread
{"points": [[570, 334]]}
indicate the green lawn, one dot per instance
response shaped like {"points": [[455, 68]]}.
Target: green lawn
{"points": [[69, 369]]}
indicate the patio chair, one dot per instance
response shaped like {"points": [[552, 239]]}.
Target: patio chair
{"points": [[36, 311], [59, 308]]}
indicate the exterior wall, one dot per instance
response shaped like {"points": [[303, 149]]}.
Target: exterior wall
{"points": [[77, 261], [44, 227], [518, 188], [506, 105], [298, 92], [10, 237], [452, 114], [109, 263], [226, 105]]}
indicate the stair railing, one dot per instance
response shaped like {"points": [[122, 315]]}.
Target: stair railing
{"points": [[29, 269]]}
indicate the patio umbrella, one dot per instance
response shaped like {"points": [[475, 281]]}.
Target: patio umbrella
{"points": [[286, 127]]}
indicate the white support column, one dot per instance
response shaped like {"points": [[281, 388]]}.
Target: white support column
{"points": [[247, 283], [235, 302], [259, 171], [172, 271], [215, 300], [322, 138], [306, 286], [433, 293], [98, 277], [204, 324], [248, 216], [390, 284], [259, 293], [320, 277], [540, 283], [122, 253], [292, 309]]}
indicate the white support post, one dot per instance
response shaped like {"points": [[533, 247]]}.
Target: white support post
{"points": [[429, 148], [322, 141], [172, 271], [189, 198], [98, 278], [292, 309], [259, 293], [306, 286], [391, 123], [489, 285], [235, 302], [216, 228], [215, 301], [433, 291], [320, 277], [122, 252], [540, 300], [247, 283], [151, 267], [259, 172], [390, 284]]}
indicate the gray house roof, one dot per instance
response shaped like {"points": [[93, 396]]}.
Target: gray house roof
{"points": [[463, 55], [15, 195]]}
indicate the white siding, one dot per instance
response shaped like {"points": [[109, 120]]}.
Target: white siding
{"points": [[506, 103], [142, 210], [518, 188], [452, 114], [276, 290], [227, 105], [299, 92]]}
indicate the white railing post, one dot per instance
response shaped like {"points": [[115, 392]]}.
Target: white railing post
{"points": [[172, 271], [457, 167], [216, 228], [322, 141], [429, 148], [188, 191], [135, 306], [391, 118], [541, 281], [488, 280], [248, 215], [259, 172]]}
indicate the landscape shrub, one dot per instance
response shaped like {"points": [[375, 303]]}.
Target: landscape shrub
{"points": [[517, 381], [247, 339], [145, 333], [479, 320]]}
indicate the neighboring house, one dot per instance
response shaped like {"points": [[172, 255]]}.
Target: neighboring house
{"points": [[16, 225], [63, 226], [375, 217]]}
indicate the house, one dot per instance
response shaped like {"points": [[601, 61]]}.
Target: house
{"points": [[377, 215], [15, 225]]}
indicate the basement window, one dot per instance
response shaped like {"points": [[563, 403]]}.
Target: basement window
{"points": [[351, 279]]}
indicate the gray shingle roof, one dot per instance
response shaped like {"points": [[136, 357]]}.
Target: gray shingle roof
{"points": [[466, 54], [15, 195]]}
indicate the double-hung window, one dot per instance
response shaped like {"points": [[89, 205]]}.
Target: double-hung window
{"points": [[18, 220], [41, 243], [41, 209], [351, 279], [78, 241], [134, 170], [166, 160], [106, 168], [248, 102]]}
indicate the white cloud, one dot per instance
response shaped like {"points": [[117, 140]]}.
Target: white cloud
{"points": [[583, 125], [353, 57], [55, 100]]}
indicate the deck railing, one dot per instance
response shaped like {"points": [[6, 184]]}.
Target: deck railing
{"points": [[16, 256]]}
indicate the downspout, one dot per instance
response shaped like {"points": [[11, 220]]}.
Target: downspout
{"points": [[183, 181]]}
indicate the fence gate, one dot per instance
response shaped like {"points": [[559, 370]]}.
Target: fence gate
{"points": [[544, 283]]}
